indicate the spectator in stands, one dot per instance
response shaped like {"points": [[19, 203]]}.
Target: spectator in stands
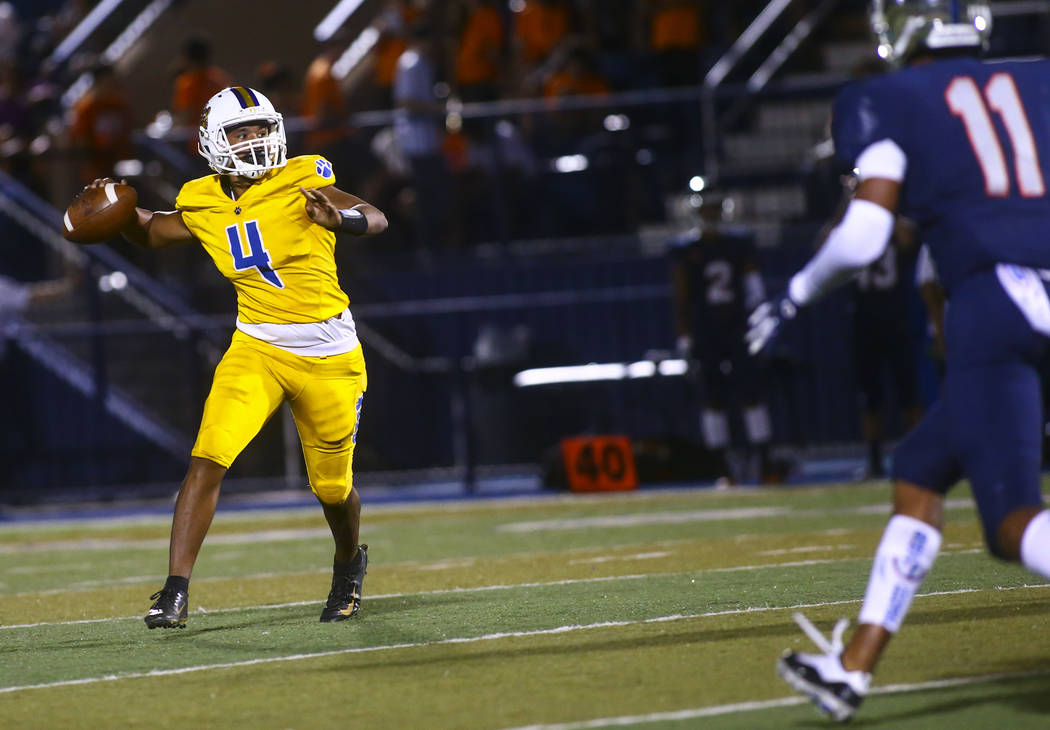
{"points": [[479, 56], [419, 127], [198, 80], [102, 122], [575, 75], [677, 34], [276, 81], [884, 343], [613, 30], [17, 298], [14, 112], [540, 26], [10, 33], [323, 105], [393, 25], [715, 282]]}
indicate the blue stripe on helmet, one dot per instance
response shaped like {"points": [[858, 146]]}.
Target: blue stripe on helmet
{"points": [[244, 96]]}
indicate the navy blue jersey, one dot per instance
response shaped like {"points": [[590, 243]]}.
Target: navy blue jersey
{"points": [[882, 289], [715, 266], [977, 139]]}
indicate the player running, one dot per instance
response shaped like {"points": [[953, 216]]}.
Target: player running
{"points": [[960, 146], [269, 224]]}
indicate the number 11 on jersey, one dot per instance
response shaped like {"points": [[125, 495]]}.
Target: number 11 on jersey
{"points": [[965, 101], [257, 256]]}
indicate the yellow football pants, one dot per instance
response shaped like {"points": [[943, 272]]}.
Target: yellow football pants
{"points": [[325, 393]]}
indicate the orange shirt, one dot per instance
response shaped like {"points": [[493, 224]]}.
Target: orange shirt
{"points": [[565, 83], [193, 89], [676, 27], [322, 101], [540, 28], [478, 55], [390, 48], [102, 123]]}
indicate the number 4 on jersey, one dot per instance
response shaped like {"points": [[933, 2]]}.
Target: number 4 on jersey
{"points": [[257, 257], [966, 102]]}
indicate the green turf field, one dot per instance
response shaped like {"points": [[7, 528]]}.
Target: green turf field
{"points": [[653, 609]]}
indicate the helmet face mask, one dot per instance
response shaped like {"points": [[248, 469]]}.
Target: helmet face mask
{"points": [[907, 27], [250, 158]]}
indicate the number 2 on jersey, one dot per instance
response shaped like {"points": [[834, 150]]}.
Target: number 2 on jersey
{"points": [[966, 102], [257, 257]]}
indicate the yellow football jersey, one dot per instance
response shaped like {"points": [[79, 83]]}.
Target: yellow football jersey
{"points": [[281, 263]]}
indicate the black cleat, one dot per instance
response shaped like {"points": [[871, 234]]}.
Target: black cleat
{"points": [[835, 698], [344, 600], [169, 609], [821, 677]]}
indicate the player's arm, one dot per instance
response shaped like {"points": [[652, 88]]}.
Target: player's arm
{"points": [[340, 211], [151, 229], [680, 308], [933, 297], [754, 288], [157, 229], [858, 240]]}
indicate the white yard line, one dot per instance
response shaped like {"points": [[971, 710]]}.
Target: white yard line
{"points": [[100, 543], [629, 520], [770, 704], [467, 640], [496, 587], [619, 558], [678, 517]]}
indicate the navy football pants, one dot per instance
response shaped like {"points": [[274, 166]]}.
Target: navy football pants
{"points": [[987, 425]]}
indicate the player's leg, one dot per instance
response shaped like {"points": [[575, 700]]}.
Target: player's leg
{"points": [[715, 367], [1004, 467], [905, 554], [194, 511], [905, 373], [838, 679], [868, 358], [243, 396], [749, 386], [327, 411], [1000, 415]]}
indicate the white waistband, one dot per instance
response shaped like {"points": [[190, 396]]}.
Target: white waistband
{"points": [[334, 336]]}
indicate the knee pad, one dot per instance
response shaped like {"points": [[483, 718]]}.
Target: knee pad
{"points": [[331, 491]]}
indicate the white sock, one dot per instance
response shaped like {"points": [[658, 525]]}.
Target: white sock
{"points": [[715, 427], [756, 421], [904, 557], [1035, 544]]}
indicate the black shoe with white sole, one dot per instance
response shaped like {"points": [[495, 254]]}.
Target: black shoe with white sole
{"points": [[821, 677]]}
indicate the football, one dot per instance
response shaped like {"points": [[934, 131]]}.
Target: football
{"points": [[98, 214]]}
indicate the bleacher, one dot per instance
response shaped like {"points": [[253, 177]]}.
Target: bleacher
{"points": [[563, 265]]}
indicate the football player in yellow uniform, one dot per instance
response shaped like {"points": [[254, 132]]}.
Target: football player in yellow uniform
{"points": [[269, 224]]}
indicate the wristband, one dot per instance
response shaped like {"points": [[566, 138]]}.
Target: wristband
{"points": [[354, 221]]}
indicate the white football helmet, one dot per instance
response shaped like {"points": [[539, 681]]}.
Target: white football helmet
{"points": [[254, 158], [906, 26]]}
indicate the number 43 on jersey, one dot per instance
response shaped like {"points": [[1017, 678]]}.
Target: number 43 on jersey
{"points": [[257, 257]]}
